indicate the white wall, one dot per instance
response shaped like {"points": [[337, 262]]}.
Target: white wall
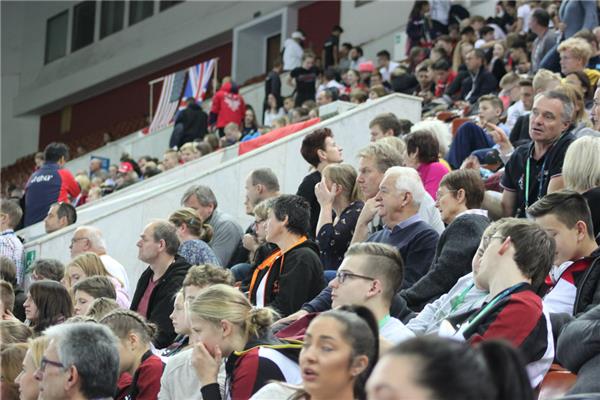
{"points": [[122, 223]]}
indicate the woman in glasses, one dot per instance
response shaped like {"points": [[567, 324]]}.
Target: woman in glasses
{"points": [[48, 303]]}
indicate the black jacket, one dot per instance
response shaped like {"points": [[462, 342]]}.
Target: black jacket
{"points": [[588, 286], [195, 123], [520, 132], [297, 281], [482, 83], [160, 305]]}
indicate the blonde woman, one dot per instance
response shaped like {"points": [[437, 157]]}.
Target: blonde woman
{"points": [[194, 236], [225, 325], [189, 152], [29, 386], [89, 264], [338, 196]]}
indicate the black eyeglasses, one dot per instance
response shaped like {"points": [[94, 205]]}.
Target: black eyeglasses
{"points": [[342, 275], [45, 362]]}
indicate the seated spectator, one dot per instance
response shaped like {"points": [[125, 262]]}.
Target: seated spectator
{"points": [[459, 200], [385, 65], [7, 300], [11, 330], [580, 80], [513, 274], [10, 245], [193, 236], [423, 151], [384, 125], [426, 86], [84, 362], [153, 298], [253, 356], [135, 335], [298, 114], [479, 81], [581, 173], [580, 123], [273, 110], [293, 274], [337, 194], [48, 303], [11, 359], [89, 289], [435, 368], [353, 82], [353, 332], [87, 265], [497, 65], [29, 386], [49, 185], [574, 56], [319, 150], [179, 380], [519, 56], [570, 288], [189, 152], [231, 135], [250, 124], [84, 184], [523, 106], [59, 216], [180, 326], [550, 142], [126, 175], [400, 194], [89, 239], [443, 76], [227, 233], [377, 92], [440, 130], [578, 351], [101, 307], [170, 159], [8, 273], [356, 57]]}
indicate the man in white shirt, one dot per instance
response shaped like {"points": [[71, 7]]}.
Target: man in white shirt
{"points": [[292, 51], [386, 67]]}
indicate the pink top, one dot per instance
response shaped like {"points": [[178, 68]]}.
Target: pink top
{"points": [[431, 174], [122, 296]]}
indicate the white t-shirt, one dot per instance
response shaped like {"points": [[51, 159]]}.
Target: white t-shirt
{"points": [[292, 54], [116, 269], [394, 331], [524, 12], [386, 73]]}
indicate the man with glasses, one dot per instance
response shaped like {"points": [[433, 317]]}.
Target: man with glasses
{"points": [[369, 276], [81, 362]]}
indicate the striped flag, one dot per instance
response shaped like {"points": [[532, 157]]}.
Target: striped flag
{"points": [[198, 80], [170, 96]]}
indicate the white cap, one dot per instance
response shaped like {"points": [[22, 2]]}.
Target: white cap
{"points": [[298, 35]]}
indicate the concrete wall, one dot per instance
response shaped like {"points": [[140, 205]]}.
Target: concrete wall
{"points": [[122, 222]]}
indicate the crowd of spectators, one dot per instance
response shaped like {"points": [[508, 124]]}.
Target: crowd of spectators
{"points": [[479, 223]]}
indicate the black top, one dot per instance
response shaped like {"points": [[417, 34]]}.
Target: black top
{"points": [[195, 123], [520, 132], [330, 46], [273, 86], [541, 171], [306, 80], [307, 191], [593, 198]]}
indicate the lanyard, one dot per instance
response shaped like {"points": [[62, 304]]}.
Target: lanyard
{"points": [[384, 321], [540, 179], [458, 300]]}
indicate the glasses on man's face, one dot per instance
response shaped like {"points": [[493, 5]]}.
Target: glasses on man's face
{"points": [[439, 194], [341, 276], [76, 240], [45, 362]]}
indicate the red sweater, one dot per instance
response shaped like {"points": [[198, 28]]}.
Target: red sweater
{"points": [[146, 380]]}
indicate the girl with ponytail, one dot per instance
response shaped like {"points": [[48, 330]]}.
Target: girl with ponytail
{"points": [[226, 326], [430, 367], [139, 369], [338, 195], [194, 236]]}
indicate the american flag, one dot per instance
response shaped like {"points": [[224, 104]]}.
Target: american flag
{"points": [[170, 96], [198, 79]]}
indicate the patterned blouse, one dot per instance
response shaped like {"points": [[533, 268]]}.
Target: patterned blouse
{"points": [[334, 240], [197, 252]]}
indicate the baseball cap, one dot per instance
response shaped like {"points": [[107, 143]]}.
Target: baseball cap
{"points": [[298, 35], [366, 66], [125, 167]]}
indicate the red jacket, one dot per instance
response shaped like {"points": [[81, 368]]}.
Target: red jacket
{"points": [[227, 106]]}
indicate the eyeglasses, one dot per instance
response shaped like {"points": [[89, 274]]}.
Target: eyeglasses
{"points": [[77, 239], [342, 275], [45, 362], [439, 195]]}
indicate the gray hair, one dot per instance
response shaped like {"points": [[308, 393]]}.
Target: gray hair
{"points": [[94, 235], [203, 193], [439, 129], [567, 104], [265, 177], [13, 210], [408, 180], [581, 169], [49, 268], [385, 155], [164, 230], [93, 350]]}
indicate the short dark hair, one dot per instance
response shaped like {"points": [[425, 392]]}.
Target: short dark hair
{"points": [[313, 142], [96, 286], [541, 17], [384, 53], [66, 210], [427, 145], [359, 50], [7, 295], [478, 53], [296, 209], [337, 28], [265, 177], [8, 270], [330, 73], [49, 268], [470, 182], [568, 206], [347, 45], [526, 82], [386, 122], [467, 30], [54, 151], [485, 30], [164, 230], [519, 44]]}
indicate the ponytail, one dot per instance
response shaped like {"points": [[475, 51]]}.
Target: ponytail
{"points": [[122, 322], [259, 321]]}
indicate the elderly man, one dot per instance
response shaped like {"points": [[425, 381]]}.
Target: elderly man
{"points": [[227, 233], [535, 169], [81, 362], [59, 216], [89, 239], [163, 278]]}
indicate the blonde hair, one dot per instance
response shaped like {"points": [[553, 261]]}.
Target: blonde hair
{"points": [[581, 169], [191, 146], [576, 96], [37, 347], [101, 307], [542, 80], [11, 358], [509, 80], [194, 224], [397, 143], [579, 48], [91, 265], [261, 210], [223, 302], [343, 175], [438, 129], [122, 322], [84, 182], [12, 331]]}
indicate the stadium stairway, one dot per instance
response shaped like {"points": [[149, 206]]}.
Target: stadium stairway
{"points": [[122, 216]]}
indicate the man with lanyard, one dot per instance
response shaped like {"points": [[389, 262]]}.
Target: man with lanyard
{"points": [[535, 169], [514, 258]]}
